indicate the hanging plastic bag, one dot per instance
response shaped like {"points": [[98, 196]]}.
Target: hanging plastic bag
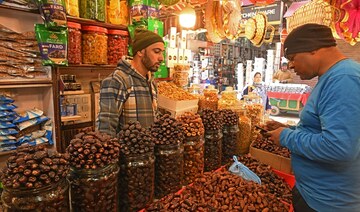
{"points": [[243, 171]]}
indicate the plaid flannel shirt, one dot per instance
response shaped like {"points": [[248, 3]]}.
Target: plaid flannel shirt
{"points": [[122, 99]]}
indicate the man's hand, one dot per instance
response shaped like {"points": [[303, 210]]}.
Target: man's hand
{"points": [[273, 125], [275, 135]]}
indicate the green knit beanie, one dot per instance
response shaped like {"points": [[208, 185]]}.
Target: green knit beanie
{"points": [[144, 38]]}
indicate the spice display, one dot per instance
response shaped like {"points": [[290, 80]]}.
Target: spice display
{"points": [[231, 139], [170, 90], [94, 173], [277, 185], [210, 99], [72, 7], [137, 167], [168, 136], [244, 131], [74, 43], [32, 180], [117, 12], [269, 146], [52, 45], [53, 13], [213, 139], [117, 45], [93, 9], [229, 100], [94, 45], [221, 191]]}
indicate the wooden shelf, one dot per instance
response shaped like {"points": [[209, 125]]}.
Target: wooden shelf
{"points": [[70, 118], [35, 11], [72, 92], [25, 84], [7, 152]]}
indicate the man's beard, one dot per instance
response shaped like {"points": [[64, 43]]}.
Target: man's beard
{"points": [[148, 64]]}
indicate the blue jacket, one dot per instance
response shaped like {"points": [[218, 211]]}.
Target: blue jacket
{"points": [[325, 145]]}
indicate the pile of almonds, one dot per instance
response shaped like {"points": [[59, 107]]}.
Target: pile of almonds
{"points": [[92, 150], [34, 167]]}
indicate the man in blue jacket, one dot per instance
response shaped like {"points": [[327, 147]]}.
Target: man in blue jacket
{"points": [[325, 145]]}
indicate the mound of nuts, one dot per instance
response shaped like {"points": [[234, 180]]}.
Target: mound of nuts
{"points": [[167, 130], [135, 140], [192, 124], [34, 167], [92, 150], [212, 120], [221, 191], [171, 91], [274, 183], [269, 146]]}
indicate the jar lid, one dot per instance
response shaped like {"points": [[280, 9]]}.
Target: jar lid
{"points": [[118, 32], [95, 29], [74, 25]]}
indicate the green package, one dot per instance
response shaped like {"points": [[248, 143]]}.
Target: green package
{"points": [[93, 9], [52, 45], [53, 12]]}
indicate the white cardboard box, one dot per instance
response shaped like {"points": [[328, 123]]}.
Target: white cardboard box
{"points": [[172, 57], [187, 56], [182, 40], [181, 56], [172, 42], [176, 113], [174, 105]]}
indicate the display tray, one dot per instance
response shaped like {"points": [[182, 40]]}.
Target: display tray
{"points": [[176, 113], [176, 105], [275, 161]]}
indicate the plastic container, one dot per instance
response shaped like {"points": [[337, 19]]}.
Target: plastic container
{"points": [[117, 45], [72, 7], [74, 43], [54, 197], [210, 99], [213, 152], [136, 179], [244, 131], [94, 48], [168, 169], [230, 143], [93, 9], [95, 190], [254, 108], [229, 100], [193, 158], [117, 12]]}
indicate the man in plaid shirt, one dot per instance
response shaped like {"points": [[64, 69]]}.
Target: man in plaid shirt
{"points": [[129, 93]]}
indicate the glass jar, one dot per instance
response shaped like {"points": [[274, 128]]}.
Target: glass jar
{"points": [[229, 100], [193, 158], [117, 12], [210, 99], [94, 40], [244, 131], [93, 9], [72, 7], [169, 171], [117, 45], [136, 181], [74, 43], [230, 143], [254, 108], [94, 190], [213, 152], [54, 197]]}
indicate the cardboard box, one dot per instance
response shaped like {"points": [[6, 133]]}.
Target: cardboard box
{"points": [[187, 56], [275, 161], [182, 39], [180, 56], [156, 26], [172, 38], [174, 105], [172, 57], [176, 113]]}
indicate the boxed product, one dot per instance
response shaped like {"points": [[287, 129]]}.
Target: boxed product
{"points": [[162, 72], [153, 9], [176, 105], [156, 26], [172, 57], [138, 10], [172, 42], [275, 161]]}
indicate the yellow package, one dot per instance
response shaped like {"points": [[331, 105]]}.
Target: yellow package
{"points": [[72, 7]]}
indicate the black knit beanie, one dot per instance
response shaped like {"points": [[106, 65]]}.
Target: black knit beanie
{"points": [[307, 38], [144, 38]]}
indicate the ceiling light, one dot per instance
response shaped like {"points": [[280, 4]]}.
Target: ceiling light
{"points": [[187, 17]]}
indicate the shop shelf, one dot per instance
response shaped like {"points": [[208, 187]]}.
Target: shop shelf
{"points": [[70, 118]]}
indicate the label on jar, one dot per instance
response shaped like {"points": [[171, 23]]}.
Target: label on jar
{"points": [[52, 45], [53, 13]]}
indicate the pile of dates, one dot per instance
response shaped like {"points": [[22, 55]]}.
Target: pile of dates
{"points": [[221, 191], [269, 146], [94, 171]]}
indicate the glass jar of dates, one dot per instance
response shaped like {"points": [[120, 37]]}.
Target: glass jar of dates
{"points": [[230, 143], [74, 43], [117, 45], [137, 173], [94, 189], [193, 158], [54, 197], [213, 152], [94, 45]]}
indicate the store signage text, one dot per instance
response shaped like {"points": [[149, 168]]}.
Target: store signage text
{"points": [[272, 11]]}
